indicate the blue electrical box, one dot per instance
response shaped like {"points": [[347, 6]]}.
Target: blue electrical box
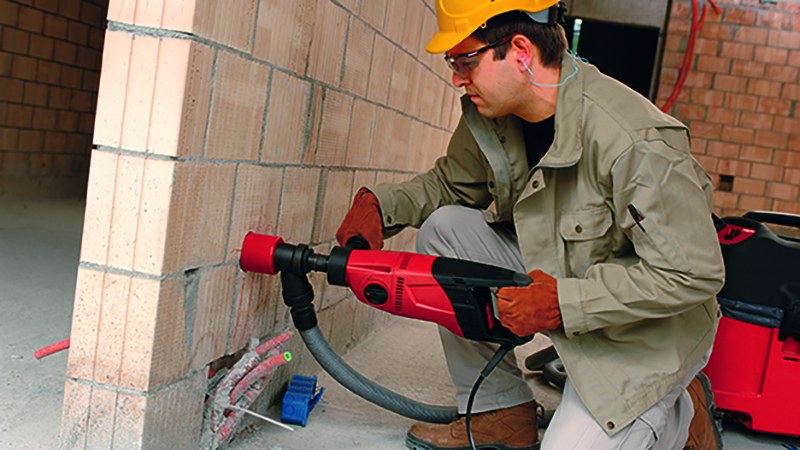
{"points": [[300, 398]]}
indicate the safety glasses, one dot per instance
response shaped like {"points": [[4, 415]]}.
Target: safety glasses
{"points": [[464, 63]]}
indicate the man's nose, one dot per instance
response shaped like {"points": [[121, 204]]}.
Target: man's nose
{"points": [[459, 81]]}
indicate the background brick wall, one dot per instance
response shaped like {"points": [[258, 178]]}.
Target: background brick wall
{"points": [[213, 119], [741, 100], [49, 69]]}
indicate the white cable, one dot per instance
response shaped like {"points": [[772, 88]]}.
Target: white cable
{"points": [[265, 418]]}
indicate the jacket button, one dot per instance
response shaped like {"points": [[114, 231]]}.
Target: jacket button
{"points": [[578, 229], [502, 139], [536, 184], [491, 184], [610, 425]]}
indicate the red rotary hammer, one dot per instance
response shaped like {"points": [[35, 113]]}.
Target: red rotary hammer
{"points": [[453, 293]]}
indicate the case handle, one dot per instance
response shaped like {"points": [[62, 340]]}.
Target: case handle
{"points": [[777, 218]]}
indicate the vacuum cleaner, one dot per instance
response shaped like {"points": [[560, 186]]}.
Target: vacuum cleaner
{"points": [[755, 363]]}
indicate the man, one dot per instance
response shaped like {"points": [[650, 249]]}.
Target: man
{"points": [[562, 172]]}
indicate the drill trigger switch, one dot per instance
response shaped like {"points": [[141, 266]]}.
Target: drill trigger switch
{"points": [[376, 294]]}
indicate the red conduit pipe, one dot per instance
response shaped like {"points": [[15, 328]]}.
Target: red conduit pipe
{"points": [[248, 379], [262, 371], [234, 416], [50, 349], [248, 390], [250, 362], [237, 373], [686, 66], [274, 342]]}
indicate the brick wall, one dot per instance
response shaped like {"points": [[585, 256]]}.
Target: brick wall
{"points": [[49, 70], [741, 100], [213, 119]]}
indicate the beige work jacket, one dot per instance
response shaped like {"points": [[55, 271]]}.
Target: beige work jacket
{"points": [[637, 301]]}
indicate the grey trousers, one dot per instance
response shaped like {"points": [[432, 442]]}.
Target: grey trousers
{"points": [[461, 232]]}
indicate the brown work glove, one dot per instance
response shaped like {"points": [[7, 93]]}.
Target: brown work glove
{"points": [[363, 219], [532, 308]]}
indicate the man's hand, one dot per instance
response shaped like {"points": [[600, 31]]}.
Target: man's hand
{"points": [[363, 219], [532, 308]]}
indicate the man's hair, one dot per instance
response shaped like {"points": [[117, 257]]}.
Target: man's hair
{"points": [[551, 39]]}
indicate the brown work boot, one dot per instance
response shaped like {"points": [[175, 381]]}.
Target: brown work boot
{"points": [[704, 432], [504, 429]]}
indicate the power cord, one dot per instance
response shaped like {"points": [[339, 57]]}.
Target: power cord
{"points": [[493, 362]]}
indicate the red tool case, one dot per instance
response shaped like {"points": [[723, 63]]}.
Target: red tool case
{"points": [[755, 363]]}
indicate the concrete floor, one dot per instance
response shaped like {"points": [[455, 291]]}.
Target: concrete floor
{"points": [[403, 359], [39, 254]]}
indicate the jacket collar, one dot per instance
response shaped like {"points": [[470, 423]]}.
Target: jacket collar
{"points": [[567, 146]]}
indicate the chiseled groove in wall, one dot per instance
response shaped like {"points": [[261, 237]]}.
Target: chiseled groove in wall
{"points": [[145, 155], [140, 154], [190, 295], [323, 180], [307, 133], [353, 181], [386, 7], [391, 81], [237, 279], [349, 129], [124, 101], [119, 376], [160, 33], [264, 117], [255, 28], [140, 30], [371, 138], [233, 202], [123, 390], [369, 71], [146, 276], [318, 125], [212, 82], [344, 53], [280, 196], [307, 59], [152, 108], [234, 309]]}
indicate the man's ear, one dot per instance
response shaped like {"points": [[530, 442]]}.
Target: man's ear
{"points": [[522, 50]]}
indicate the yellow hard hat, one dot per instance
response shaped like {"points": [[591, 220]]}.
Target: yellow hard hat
{"points": [[459, 18]]}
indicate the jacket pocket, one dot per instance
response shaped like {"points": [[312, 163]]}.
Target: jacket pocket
{"points": [[658, 248], [586, 236]]}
